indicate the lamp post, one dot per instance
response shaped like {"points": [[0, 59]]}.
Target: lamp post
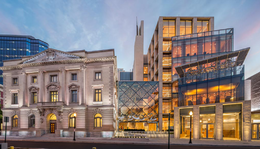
{"points": [[191, 113], [74, 116]]}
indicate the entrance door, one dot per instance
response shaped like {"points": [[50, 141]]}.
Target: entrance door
{"points": [[256, 131], [207, 131], [52, 127]]}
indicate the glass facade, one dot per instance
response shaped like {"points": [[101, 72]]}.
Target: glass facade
{"points": [[14, 46], [138, 105], [231, 125], [219, 85], [198, 46], [168, 28]]}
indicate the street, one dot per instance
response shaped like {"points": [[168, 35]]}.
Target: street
{"points": [[72, 145]]}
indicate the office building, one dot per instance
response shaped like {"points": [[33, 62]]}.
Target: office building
{"points": [[124, 75], [57, 92], [17, 46]]}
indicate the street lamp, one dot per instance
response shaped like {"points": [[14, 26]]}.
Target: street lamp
{"points": [[191, 113], [74, 116]]}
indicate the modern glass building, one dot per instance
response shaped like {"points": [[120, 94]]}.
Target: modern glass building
{"points": [[213, 89], [17, 46], [138, 105]]}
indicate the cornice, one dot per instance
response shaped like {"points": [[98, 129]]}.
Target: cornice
{"points": [[70, 61]]}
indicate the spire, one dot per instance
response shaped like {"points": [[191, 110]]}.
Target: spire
{"points": [[136, 27]]}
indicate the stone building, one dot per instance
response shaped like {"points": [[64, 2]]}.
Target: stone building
{"points": [[55, 91]]}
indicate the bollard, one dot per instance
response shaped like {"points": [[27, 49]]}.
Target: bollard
{"points": [[11, 147]]}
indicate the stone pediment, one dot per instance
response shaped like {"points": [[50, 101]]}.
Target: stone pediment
{"points": [[50, 55]]}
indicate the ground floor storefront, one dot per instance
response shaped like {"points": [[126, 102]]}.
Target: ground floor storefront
{"points": [[220, 121]]}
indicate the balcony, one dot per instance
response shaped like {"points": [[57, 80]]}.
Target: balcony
{"points": [[50, 104]]}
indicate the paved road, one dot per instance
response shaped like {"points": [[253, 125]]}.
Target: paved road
{"points": [[72, 145]]}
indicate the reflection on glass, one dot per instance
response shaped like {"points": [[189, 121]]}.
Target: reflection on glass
{"points": [[231, 126]]}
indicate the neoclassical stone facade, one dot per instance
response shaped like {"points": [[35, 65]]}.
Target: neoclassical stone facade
{"points": [[55, 91]]}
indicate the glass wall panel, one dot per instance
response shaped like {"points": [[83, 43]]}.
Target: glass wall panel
{"points": [[182, 28], [167, 61], [166, 91], [168, 28], [231, 126], [166, 108], [207, 125], [167, 46], [186, 123], [137, 103], [166, 76]]}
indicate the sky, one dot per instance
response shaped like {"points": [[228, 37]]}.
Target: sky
{"points": [[69, 25]]}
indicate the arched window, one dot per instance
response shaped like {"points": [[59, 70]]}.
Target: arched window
{"points": [[31, 121], [72, 120], [15, 121], [98, 120]]}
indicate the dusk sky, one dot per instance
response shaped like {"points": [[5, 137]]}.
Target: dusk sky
{"points": [[105, 24]]}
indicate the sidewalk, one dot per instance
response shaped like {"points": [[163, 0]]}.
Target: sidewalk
{"points": [[133, 141]]}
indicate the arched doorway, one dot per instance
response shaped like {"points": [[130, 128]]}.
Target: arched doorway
{"points": [[51, 122]]}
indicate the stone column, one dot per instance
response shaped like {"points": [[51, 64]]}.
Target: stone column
{"points": [[40, 81], [24, 84], [62, 84], [219, 122], [196, 122], [176, 123], [194, 25], [82, 85], [160, 69], [246, 123], [178, 21]]}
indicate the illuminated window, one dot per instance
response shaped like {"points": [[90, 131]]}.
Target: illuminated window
{"points": [[145, 70], [202, 26], [34, 79], [145, 79], [98, 120], [98, 95], [166, 76], [54, 96], [166, 91], [31, 122], [168, 28], [185, 27], [15, 121], [167, 61], [167, 45], [72, 120], [166, 107], [34, 97]]}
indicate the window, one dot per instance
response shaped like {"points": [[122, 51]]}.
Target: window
{"points": [[202, 26], [168, 28], [185, 27], [74, 95], [98, 75], [31, 122], [98, 120], [98, 95], [34, 79], [15, 98], [54, 96], [34, 97], [72, 120], [74, 76], [54, 78], [15, 81], [15, 121]]}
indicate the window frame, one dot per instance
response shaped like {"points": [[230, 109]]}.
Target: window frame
{"points": [[96, 120], [33, 95], [15, 78], [14, 101], [33, 77], [52, 76], [31, 121], [72, 101], [95, 100], [54, 95], [72, 74], [15, 121], [98, 72]]}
